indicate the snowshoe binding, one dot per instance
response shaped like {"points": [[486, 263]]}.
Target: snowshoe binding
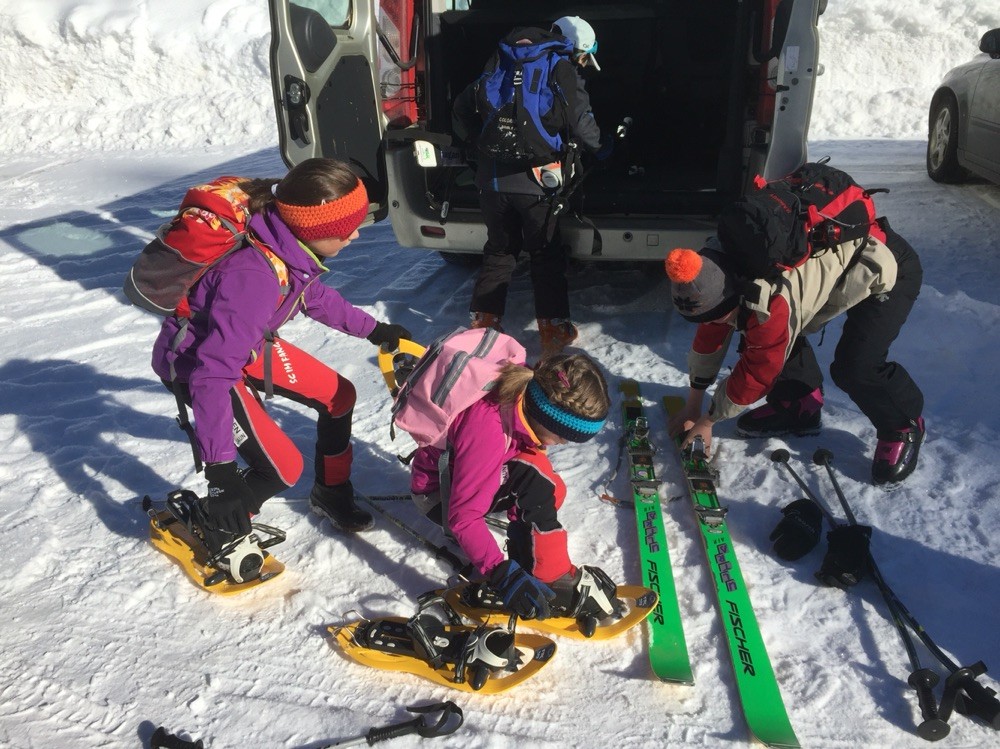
{"points": [[588, 605], [436, 645], [216, 563]]}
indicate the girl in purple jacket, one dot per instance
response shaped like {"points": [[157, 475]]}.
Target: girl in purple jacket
{"points": [[496, 462], [229, 351]]}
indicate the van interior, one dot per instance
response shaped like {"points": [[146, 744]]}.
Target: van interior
{"points": [[681, 70]]}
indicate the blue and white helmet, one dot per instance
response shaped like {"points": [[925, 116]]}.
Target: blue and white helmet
{"points": [[582, 35]]}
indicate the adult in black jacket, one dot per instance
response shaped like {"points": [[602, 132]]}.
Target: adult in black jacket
{"points": [[514, 203]]}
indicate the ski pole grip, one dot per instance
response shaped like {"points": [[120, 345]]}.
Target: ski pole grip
{"points": [[376, 735], [822, 457], [932, 728]]}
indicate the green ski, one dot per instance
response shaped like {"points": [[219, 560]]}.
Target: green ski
{"points": [[758, 689], [668, 654]]}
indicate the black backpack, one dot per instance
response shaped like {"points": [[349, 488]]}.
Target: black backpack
{"points": [[779, 225]]}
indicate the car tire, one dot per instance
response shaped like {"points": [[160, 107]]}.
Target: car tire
{"points": [[942, 142]]}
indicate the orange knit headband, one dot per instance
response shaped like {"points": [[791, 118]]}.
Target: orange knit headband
{"points": [[336, 218]]}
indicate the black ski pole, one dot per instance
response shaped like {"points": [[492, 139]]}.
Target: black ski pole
{"points": [[977, 699], [441, 552], [419, 725], [781, 456], [923, 680]]}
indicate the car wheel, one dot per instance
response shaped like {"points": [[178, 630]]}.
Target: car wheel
{"points": [[942, 142]]}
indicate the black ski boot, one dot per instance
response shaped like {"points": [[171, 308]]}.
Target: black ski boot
{"points": [[800, 417], [336, 503], [588, 596], [896, 453]]}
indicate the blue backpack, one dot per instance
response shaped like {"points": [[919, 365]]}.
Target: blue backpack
{"points": [[520, 103]]}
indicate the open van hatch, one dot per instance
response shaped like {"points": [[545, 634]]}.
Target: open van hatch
{"points": [[716, 92]]}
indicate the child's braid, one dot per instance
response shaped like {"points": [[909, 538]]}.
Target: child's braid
{"points": [[574, 382]]}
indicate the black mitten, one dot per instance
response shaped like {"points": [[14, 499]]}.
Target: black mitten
{"points": [[848, 556], [389, 335], [227, 503], [798, 532]]}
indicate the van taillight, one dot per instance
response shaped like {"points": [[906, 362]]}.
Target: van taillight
{"points": [[432, 231]]}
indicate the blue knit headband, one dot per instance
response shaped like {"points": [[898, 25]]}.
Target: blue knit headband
{"points": [[558, 420]]}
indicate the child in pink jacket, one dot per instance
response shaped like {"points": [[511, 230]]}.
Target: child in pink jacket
{"points": [[496, 461]]}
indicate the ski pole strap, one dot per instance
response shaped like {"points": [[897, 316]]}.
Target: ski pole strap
{"points": [[449, 721]]}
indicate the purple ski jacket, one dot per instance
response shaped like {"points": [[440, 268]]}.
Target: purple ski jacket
{"points": [[483, 439], [232, 307]]}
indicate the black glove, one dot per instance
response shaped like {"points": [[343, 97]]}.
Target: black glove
{"points": [[848, 557], [228, 501], [798, 532], [385, 333], [525, 595]]}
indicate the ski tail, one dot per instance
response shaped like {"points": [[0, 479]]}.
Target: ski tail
{"points": [[668, 653], [756, 683]]}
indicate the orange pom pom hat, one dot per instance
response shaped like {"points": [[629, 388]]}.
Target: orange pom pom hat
{"points": [[334, 218], [703, 287]]}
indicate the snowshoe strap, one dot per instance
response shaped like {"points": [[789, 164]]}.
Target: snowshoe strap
{"points": [[429, 642], [595, 590], [431, 599], [242, 559], [490, 647]]}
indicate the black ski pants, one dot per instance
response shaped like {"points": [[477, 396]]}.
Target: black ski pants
{"points": [[517, 223], [882, 389]]}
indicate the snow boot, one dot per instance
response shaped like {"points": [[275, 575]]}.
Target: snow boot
{"points": [[896, 453], [337, 504], [556, 334], [587, 596], [485, 320], [800, 417]]}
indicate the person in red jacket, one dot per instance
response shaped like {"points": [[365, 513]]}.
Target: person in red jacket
{"points": [[873, 281]]}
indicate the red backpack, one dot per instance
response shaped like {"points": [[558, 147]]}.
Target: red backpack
{"points": [[210, 224]]}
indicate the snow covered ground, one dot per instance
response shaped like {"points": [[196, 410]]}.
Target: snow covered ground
{"points": [[112, 108]]}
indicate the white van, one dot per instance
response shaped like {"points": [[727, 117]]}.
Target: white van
{"points": [[717, 92]]}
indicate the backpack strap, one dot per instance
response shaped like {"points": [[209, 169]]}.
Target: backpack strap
{"points": [[281, 273], [444, 479]]}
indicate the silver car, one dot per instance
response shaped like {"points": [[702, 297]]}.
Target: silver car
{"points": [[964, 124]]}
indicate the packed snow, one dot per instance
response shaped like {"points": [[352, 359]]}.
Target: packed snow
{"points": [[112, 108]]}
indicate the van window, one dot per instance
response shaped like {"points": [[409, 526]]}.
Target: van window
{"points": [[337, 13]]}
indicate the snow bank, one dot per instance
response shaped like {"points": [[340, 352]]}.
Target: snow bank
{"points": [[114, 74]]}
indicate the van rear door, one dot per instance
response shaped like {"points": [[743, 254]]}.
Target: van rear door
{"points": [[326, 85], [793, 75]]}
